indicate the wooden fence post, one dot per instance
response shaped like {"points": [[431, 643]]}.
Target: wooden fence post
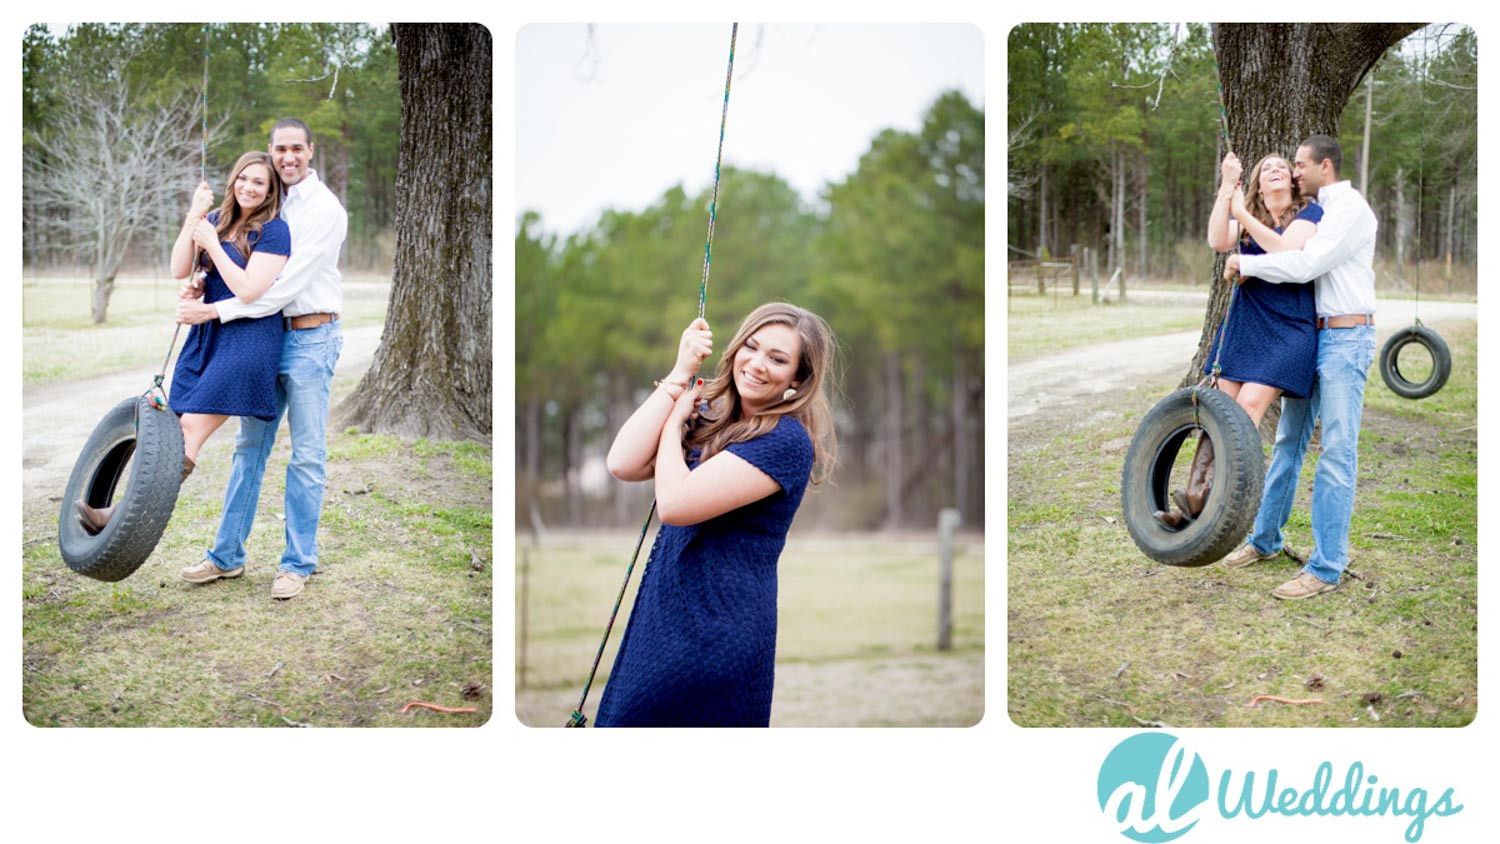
{"points": [[1073, 256], [948, 520]]}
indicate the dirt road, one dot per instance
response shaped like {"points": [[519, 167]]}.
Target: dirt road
{"points": [[1090, 370], [58, 417]]}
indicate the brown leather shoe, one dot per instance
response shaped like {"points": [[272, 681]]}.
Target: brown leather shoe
{"points": [[187, 467], [288, 584], [93, 519], [1302, 586]]}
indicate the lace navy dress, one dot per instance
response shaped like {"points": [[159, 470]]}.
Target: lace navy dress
{"points": [[230, 367], [1271, 335], [700, 647]]}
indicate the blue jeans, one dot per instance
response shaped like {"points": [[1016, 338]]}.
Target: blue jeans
{"points": [[302, 386], [1338, 397]]}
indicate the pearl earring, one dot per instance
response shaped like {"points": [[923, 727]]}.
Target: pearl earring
{"points": [[788, 394]]}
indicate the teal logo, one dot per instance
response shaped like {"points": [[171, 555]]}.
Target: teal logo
{"points": [[1153, 787]]}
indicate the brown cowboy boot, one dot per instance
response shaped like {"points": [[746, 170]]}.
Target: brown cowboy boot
{"points": [[93, 519], [1200, 477], [1190, 501]]}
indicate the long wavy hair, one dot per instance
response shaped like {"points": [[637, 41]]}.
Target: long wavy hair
{"points": [[725, 421], [1255, 202], [236, 226]]}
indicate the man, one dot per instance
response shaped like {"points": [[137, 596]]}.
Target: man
{"points": [[309, 297], [1341, 257]]}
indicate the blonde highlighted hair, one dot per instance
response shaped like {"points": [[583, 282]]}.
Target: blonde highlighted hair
{"points": [[725, 421]]}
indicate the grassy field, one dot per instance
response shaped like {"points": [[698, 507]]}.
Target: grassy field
{"points": [[1041, 325], [60, 342], [1098, 635], [856, 638], [399, 610]]}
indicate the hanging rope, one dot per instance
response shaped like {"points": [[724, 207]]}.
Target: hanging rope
{"points": [[156, 394], [1421, 180], [577, 718], [1213, 378], [713, 204]]}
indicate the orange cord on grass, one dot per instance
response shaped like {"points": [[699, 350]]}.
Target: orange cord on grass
{"points": [[434, 707], [1279, 699]]}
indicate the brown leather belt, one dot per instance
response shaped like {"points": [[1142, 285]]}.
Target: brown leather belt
{"points": [[298, 323], [1345, 321]]}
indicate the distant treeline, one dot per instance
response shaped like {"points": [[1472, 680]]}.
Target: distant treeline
{"points": [[338, 78], [894, 262], [1116, 127]]}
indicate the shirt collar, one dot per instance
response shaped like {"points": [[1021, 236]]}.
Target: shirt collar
{"points": [[308, 182], [1325, 193]]}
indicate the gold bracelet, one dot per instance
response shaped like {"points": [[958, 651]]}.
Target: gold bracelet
{"points": [[680, 384]]}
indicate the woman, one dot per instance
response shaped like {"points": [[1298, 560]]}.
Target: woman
{"points": [[1270, 339], [700, 648], [226, 369]]}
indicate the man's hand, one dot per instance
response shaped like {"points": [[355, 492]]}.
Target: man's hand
{"points": [[1232, 270], [193, 312]]}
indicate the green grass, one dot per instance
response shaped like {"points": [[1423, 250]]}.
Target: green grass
{"points": [[60, 341], [1101, 636], [400, 609], [1039, 325], [855, 641]]}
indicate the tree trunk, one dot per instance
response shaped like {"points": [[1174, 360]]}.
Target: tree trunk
{"points": [[962, 459], [1141, 180], [1041, 240], [895, 471], [1403, 227], [103, 287], [1283, 82], [431, 376]]}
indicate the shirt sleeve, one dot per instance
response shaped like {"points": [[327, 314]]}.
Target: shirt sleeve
{"points": [[1336, 241], [785, 453], [318, 244], [1312, 213], [275, 239]]}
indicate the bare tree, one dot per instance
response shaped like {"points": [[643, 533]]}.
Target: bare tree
{"points": [[431, 376], [106, 169]]}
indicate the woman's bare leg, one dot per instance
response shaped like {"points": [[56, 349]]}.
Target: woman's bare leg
{"points": [[1256, 398], [196, 429]]}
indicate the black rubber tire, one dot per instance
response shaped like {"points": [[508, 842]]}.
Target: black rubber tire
{"points": [[1239, 472], [1442, 362], [142, 512]]}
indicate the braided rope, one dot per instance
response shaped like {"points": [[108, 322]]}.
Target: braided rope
{"points": [[577, 718], [156, 394], [713, 204], [1223, 112]]}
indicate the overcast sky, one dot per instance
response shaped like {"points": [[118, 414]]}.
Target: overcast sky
{"points": [[614, 121]]}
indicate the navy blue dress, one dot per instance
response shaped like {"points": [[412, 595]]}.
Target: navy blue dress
{"points": [[230, 368], [1271, 335], [700, 648]]}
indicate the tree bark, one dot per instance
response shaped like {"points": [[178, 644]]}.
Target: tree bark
{"points": [[431, 376], [894, 470], [1282, 83]]}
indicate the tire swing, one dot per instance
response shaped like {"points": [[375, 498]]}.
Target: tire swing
{"points": [[139, 441], [141, 434], [1418, 334], [1390, 366], [1239, 467], [1234, 497]]}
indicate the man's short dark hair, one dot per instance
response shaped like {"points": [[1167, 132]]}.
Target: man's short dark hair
{"points": [[291, 123], [1323, 146]]}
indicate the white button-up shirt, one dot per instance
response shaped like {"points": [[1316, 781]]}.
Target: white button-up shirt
{"points": [[1341, 255], [309, 283]]}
